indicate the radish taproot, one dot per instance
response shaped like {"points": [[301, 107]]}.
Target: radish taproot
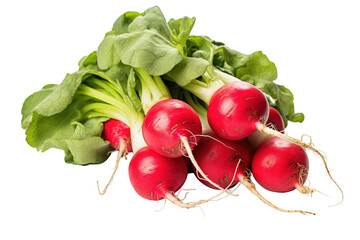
{"points": [[281, 166], [118, 134], [227, 163]]}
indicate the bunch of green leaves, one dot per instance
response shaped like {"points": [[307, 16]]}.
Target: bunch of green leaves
{"points": [[58, 116], [146, 40], [67, 116]]}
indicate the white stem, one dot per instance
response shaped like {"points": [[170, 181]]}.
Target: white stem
{"points": [[137, 139]]}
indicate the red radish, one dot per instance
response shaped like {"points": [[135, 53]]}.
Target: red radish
{"points": [[156, 177], [214, 153], [172, 129], [167, 123], [118, 134], [219, 159], [237, 109], [281, 166], [274, 121]]}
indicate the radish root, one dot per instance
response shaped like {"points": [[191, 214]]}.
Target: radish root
{"points": [[250, 185], [175, 198], [122, 151], [262, 128]]}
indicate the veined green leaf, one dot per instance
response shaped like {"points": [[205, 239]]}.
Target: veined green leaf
{"points": [[107, 55], [187, 70], [148, 50]]}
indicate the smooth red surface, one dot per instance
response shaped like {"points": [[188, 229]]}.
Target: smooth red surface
{"points": [[275, 120], [219, 158], [166, 122], [235, 108], [152, 175], [114, 130], [277, 163]]}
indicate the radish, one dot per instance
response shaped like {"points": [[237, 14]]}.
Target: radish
{"points": [[168, 124], [237, 109], [281, 166], [155, 177], [118, 134], [171, 127], [227, 163], [274, 121]]}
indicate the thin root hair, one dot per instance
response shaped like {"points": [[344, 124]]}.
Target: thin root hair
{"points": [[163, 207], [202, 135]]}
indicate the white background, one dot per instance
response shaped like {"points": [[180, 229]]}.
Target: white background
{"points": [[315, 45]]}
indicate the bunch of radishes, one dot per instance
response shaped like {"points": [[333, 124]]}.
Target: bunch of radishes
{"points": [[181, 104]]}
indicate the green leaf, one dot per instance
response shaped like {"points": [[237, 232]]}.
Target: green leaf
{"points": [[121, 24], [181, 28], [258, 68], [32, 101], [107, 55], [200, 47], [93, 150], [187, 70], [282, 99], [89, 61], [81, 143], [152, 19], [229, 59], [61, 96], [148, 50]]}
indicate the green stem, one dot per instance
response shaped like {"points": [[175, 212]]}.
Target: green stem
{"points": [[103, 109], [153, 89], [107, 88]]}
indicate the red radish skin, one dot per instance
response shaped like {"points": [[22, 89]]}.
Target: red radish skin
{"points": [[116, 131], [166, 122], [155, 177], [281, 166], [274, 121], [118, 134], [172, 129], [219, 159], [214, 153], [237, 109]]}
